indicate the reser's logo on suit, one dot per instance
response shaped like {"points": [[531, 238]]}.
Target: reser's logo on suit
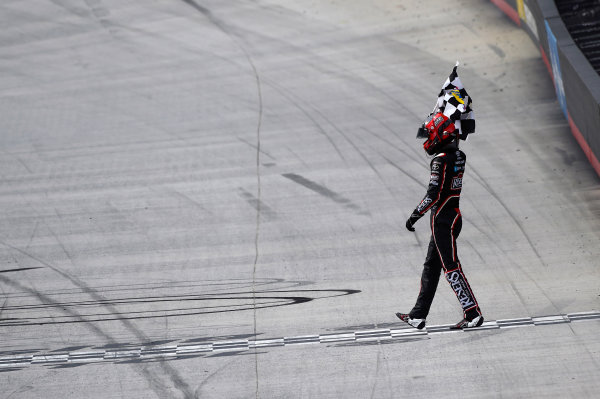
{"points": [[459, 287]]}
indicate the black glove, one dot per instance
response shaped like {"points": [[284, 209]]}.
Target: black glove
{"points": [[412, 220]]}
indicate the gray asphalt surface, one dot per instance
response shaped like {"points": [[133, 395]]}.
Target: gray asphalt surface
{"points": [[207, 199]]}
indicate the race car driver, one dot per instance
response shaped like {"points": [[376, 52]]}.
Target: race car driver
{"points": [[442, 199]]}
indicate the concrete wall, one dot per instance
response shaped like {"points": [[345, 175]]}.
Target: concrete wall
{"points": [[577, 84]]}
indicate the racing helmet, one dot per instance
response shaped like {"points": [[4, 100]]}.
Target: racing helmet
{"points": [[439, 130]]}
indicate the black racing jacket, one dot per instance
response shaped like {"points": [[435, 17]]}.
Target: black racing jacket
{"points": [[445, 184]]}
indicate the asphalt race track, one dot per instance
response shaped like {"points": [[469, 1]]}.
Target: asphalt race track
{"points": [[206, 199]]}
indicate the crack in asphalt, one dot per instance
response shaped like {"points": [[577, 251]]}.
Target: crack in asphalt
{"points": [[239, 42]]}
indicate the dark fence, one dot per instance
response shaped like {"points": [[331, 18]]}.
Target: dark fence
{"points": [[568, 37], [582, 19]]}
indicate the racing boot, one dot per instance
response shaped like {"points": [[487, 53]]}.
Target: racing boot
{"points": [[466, 323], [416, 323]]}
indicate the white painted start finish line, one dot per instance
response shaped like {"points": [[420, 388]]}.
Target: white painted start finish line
{"points": [[165, 352]]}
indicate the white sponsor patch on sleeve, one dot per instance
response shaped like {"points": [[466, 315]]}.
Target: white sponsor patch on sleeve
{"points": [[434, 179], [457, 183], [424, 204]]}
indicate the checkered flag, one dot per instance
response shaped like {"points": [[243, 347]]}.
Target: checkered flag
{"points": [[454, 102]]}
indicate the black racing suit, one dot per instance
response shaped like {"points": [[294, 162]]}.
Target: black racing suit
{"points": [[442, 198]]}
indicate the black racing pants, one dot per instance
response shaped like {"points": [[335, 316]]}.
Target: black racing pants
{"points": [[442, 254]]}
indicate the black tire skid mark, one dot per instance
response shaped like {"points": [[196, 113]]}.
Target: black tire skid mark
{"points": [[324, 191], [265, 303]]}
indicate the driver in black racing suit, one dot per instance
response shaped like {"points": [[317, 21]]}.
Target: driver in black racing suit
{"points": [[442, 199]]}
